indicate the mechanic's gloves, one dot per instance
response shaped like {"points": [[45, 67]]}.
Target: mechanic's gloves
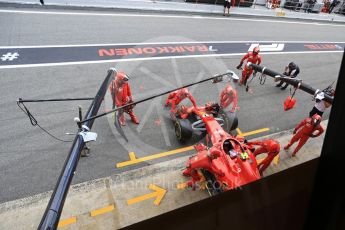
{"points": [[294, 131], [240, 65]]}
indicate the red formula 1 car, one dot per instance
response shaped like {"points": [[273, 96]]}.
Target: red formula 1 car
{"points": [[229, 162]]}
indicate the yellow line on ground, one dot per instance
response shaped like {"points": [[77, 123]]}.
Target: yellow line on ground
{"points": [[134, 160], [132, 156], [254, 132], [63, 223], [102, 210], [239, 131]]}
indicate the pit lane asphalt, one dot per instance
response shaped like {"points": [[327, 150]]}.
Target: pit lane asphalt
{"points": [[30, 161]]}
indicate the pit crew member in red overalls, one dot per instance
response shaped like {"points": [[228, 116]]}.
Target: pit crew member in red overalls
{"points": [[304, 130], [228, 96], [122, 95], [269, 146], [252, 57], [177, 96]]}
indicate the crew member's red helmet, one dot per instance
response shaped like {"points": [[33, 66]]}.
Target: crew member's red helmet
{"points": [[256, 50], [316, 119], [229, 89], [121, 77], [184, 92]]}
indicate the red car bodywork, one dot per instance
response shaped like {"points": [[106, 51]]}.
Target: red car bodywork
{"points": [[229, 171]]}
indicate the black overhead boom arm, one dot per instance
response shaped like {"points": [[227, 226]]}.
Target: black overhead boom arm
{"points": [[294, 82]]}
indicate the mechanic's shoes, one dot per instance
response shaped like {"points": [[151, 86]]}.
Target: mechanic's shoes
{"points": [[122, 120], [191, 184], [261, 172], [260, 166], [287, 146], [134, 118]]}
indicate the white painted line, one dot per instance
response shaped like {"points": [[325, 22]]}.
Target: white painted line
{"points": [[167, 16], [153, 58], [162, 43]]}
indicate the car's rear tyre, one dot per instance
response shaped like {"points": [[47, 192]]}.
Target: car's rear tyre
{"points": [[230, 120], [183, 130]]}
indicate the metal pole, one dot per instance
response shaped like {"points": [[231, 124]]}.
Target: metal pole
{"points": [[54, 208], [80, 117], [295, 82]]}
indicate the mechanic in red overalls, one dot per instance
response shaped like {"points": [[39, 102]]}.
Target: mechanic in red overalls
{"points": [[269, 146], [177, 96], [122, 95], [252, 57], [304, 130], [228, 96]]}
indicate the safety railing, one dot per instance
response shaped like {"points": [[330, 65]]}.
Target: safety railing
{"points": [[237, 3], [309, 7], [336, 6]]}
